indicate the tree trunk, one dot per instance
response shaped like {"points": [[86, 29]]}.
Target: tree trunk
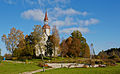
{"points": [[43, 63], [54, 51]]}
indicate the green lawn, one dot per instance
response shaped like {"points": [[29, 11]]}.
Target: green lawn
{"points": [[107, 70], [16, 68]]}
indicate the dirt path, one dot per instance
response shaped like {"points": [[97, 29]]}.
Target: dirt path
{"points": [[39, 70]]}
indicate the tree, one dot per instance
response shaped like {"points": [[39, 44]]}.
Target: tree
{"points": [[103, 55], [37, 34], [77, 34], [25, 48], [85, 48], [75, 46], [39, 40], [55, 40], [49, 47], [30, 45], [38, 37], [64, 48], [13, 39], [86, 51]]}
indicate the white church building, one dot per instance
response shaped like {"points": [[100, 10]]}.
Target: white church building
{"points": [[46, 33]]}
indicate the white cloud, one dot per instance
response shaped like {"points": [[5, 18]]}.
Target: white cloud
{"points": [[69, 30], [69, 11], [63, 18], [88, 22], [41, 3], [54, 15], [47, 3], [35, 14], [67, 22]]}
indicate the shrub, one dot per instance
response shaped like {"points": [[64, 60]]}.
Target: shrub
{"points": [[99, 62], [23, 58], [109, 62], [45, 65], [26, 61], [92, 63], [87, 62], [85, 66], [97, 57], [113, 57], [117, 60], [14, 58], [41, 64], [8, 56]]}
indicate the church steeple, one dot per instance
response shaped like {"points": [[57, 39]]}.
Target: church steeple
{"points": [[46, 18], [46, 26]]}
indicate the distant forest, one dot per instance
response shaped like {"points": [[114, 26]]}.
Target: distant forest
{"points": [[110, 53]]}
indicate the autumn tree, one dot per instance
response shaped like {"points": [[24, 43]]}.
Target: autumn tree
{"points": [[75, 46], [63, 48], [77, 34], [39, 39], [27, 46], [13, 39], [55, 40], [103, 55], [85, 48], [86, 51]]}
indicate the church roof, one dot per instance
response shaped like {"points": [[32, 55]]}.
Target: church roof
{"points": [[46, 26], [46, 18]]}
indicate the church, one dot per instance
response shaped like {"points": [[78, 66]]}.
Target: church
{"points": [[46, 33]]}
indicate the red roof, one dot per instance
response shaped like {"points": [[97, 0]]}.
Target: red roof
{"points": [[46, 18], [46, 26]]}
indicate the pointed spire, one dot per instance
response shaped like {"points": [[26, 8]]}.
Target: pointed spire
{"points": [[46, 26], [46, 18]]}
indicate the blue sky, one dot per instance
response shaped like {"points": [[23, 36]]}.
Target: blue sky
{"points": [[98, 20]]}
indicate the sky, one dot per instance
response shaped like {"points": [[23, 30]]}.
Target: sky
{"points": [[98, 20]]}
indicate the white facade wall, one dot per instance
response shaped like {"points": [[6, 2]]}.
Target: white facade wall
{"points": [[43, 42], [48, 32]]}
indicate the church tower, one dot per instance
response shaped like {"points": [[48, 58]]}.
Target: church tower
{"points": [[46, 27], [46, 33]]}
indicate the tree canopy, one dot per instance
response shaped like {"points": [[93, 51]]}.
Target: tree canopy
{"points": [[13, 39], [75, 46]]}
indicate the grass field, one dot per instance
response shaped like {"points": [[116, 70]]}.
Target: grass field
{"points": [[16, 68], [107, 70]]}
